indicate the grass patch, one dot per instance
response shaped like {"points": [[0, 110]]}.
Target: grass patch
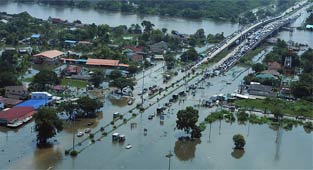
{"points": [[74, 83], [297, 108], [246, 60], [29, 79]]}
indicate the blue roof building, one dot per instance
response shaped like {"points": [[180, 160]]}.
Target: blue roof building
{"points": [[36, 104]]}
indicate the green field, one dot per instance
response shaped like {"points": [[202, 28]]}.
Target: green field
{"points": [[29, 79], [296, 108], [74, 83]]}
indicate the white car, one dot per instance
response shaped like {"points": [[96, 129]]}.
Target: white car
{"points": [[80, 134]]}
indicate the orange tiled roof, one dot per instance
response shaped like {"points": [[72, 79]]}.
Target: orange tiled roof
{"points": [[50, 54], [102, 62]]}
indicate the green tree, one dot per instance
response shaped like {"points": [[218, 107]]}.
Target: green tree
{"points": [[277, 113], [69, 108], [147, 25], [47, 124], [258, 67], [239, 141], [88, 106], [133, 68], [115, 74], [122, 82], [97, 78], [43, 79], [187, 119], [190, 55]]}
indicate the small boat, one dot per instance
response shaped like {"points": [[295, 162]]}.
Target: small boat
{"points": [[87, 130], [128, 146], [80, 134], [228, 83]]}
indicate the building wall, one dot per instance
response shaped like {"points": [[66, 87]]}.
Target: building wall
{"points": [[15, 92], [40, 96]]}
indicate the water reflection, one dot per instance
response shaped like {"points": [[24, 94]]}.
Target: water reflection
{"points": [[185, 149], [47, 157], [118, 101], [83, 123], [238, 153]]}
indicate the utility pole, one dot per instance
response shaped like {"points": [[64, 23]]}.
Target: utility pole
{"points": [[169, 155], [74, 133], [143, 81]]}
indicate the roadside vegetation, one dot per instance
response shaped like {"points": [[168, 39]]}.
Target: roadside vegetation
{"points": [[292, 108]]}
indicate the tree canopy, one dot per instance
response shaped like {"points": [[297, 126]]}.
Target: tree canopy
{"points": [[190, 55], [239, 141], [122, 82], [187, 119], [88, 106], [47, 124], [43, 79]]}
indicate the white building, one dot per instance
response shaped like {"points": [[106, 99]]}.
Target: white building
{"points": [[41, 95]]}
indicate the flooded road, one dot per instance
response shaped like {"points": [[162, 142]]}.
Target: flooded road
{"points": [[214, 150], [261, 150]]}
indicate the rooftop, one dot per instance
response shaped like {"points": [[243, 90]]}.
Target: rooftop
{"points": [[50, 54], [102, 62], [273, 65], [9, 101], [15, 113]]}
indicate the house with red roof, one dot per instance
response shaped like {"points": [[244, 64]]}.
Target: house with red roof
{"points": [[50, 56], [16, 114], [273, 66], [105, 63]]}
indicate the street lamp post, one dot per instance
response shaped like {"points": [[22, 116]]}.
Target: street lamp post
{"points": [[143, 81], [169, 155]]}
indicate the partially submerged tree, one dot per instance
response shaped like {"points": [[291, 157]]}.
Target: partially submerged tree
{"points": [[88, 106], [239, 141], [47, 124], [187, 119], [97, 78], [122, 82]]}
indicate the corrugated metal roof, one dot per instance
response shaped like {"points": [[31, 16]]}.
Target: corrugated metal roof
{"points": [[16, 112], [102, 62]]}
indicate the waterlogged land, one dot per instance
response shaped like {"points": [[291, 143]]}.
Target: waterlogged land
{"points": [[266, 148]]}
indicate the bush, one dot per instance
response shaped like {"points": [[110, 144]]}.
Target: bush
{"points": [[121, 116], [125, 120], [239, 141], [74, 153], [104, 133], [134, 114], [91, 135], [93, 141], [102, 129], [112, 122], [67, 152]]}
